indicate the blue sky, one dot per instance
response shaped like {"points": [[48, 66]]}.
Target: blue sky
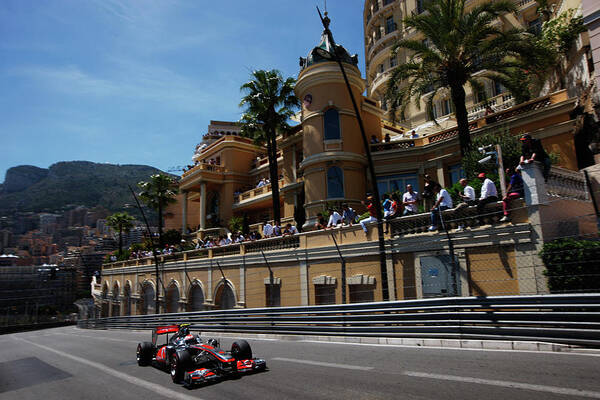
{"points": [[137, 81]]}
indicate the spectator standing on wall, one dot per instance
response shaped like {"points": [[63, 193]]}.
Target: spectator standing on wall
{"points": [[335, 218], [468, 199], [532, 150], [267, 230], [489, 194], [393, 213], [428, 192], [443, 202], [372, 214], [515, 189], [409, 201], [348, 214]]}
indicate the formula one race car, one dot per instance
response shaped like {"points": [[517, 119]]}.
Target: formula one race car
{"points": [[189, 359]]}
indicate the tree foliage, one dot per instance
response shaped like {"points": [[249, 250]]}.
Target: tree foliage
{"points": [[120, 222], [460, 47], [269, 102], [158, 193], [572, 265]]}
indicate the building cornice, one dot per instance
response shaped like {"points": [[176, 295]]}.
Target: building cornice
{"points": [[328, 72], [332, 156]]}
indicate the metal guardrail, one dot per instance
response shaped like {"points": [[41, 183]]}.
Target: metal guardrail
{"points": [[571, 319]]}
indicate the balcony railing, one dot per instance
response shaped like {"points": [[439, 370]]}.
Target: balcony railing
{"points": [[204, 167], [498, 103], [568, 184], [262, 161], [254, 193]]}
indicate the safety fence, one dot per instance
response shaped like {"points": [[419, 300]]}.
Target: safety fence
{"points": [[569, 319]]}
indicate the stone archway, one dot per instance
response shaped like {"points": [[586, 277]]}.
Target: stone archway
{"points": [[196, 297], [127, 299], [224, 297], [148, 301], [115, 305], [172, 299], [104, 307]]}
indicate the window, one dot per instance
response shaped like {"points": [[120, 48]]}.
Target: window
{"points": [[377, 32], [421, 4], [324, 294], [498, 88], [361, 293], [384, 105], [380, 68], [390, 25], [441, 108], [386, 2], [332, 124], [535, 26], [273, 295], [393, 62], [392, 183], [335, 183], [456, 172], [376, 6]]}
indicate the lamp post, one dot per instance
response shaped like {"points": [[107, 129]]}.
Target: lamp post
{"points": [[332, 55]]}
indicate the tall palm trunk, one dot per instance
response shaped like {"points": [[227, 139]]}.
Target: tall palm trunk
{"points": [[272, 151], [160, 227], [457, 93]]}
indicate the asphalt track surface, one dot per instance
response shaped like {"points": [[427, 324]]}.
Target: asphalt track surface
{"points": [[71, 363]]}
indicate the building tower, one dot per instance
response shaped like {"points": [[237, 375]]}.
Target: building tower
{"points": [[334, 156]]}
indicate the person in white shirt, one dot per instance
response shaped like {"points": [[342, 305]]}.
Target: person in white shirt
{"points": [[267, 230], [489, 194], [335, 218], [468, 199], [443, 202], [409, 200]]}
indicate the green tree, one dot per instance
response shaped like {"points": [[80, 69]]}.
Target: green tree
{"points": [[120, 222], [511, 153], [269, 102], [158, 193], [572, 265], [459, 48]]}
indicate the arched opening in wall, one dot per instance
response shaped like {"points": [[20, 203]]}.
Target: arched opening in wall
{"points": [[127, 299], [335, 183], [332, 125], [225, 298], [196, 298], [116, 306], [173, 298], [104, 309], [148, 302]]}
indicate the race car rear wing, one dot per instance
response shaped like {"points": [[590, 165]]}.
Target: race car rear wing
{"points": [[160, 330]]}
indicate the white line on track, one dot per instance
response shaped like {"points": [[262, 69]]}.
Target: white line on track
{"points": [[408, 346], [323, 364], [158, 389], [507, 384]]}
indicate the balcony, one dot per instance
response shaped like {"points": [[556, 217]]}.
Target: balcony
{"points": [[260, 161], [258, 193], [498, 103], [222, 139], [203, 167]]}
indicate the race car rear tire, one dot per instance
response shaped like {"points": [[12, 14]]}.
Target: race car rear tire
{"points": [[240, 350], [144, 353], [178, 363]]}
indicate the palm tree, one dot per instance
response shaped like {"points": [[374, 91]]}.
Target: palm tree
{"points": [[459, 47], [120, 222], [269, 102], [158, 193]]}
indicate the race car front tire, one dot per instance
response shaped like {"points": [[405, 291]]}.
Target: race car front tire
{"points": [[144, 353], [178, 364], [240, 350]]}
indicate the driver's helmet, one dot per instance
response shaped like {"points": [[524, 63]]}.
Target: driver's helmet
{"points": [[184, 330]]}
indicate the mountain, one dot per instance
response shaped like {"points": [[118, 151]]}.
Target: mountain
{"points": [[29, 188]]}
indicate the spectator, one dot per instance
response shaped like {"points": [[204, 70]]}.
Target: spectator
{"points": [[387, 138], [348, 214], [515, 189], [320, 222], [532, 150], [276, 229], [443, 202], [386, 205], [335, 218], [267, 230], [489, 194], [374, 139], [393, 213], [261, 183], [199, 244], [414, 135], [468, 199], [290, 230], [428, 193], [409, 201], [372, 214]]}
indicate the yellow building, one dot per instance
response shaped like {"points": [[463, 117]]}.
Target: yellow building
{"points": [[323, 161]]}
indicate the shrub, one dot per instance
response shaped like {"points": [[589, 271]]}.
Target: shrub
{"points": [[572, 265]]}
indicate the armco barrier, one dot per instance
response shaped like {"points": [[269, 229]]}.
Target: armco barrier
{"points": [[570, 319]]}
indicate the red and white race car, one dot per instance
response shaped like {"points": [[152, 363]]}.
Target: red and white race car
{"points": [[193, 361]]}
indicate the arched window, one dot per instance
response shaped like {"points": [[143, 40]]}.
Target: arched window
{"points": [[196, 298], [335, 183], [173, 298], [148, 303], [332, 124], [225, 299], [127, 299]]}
